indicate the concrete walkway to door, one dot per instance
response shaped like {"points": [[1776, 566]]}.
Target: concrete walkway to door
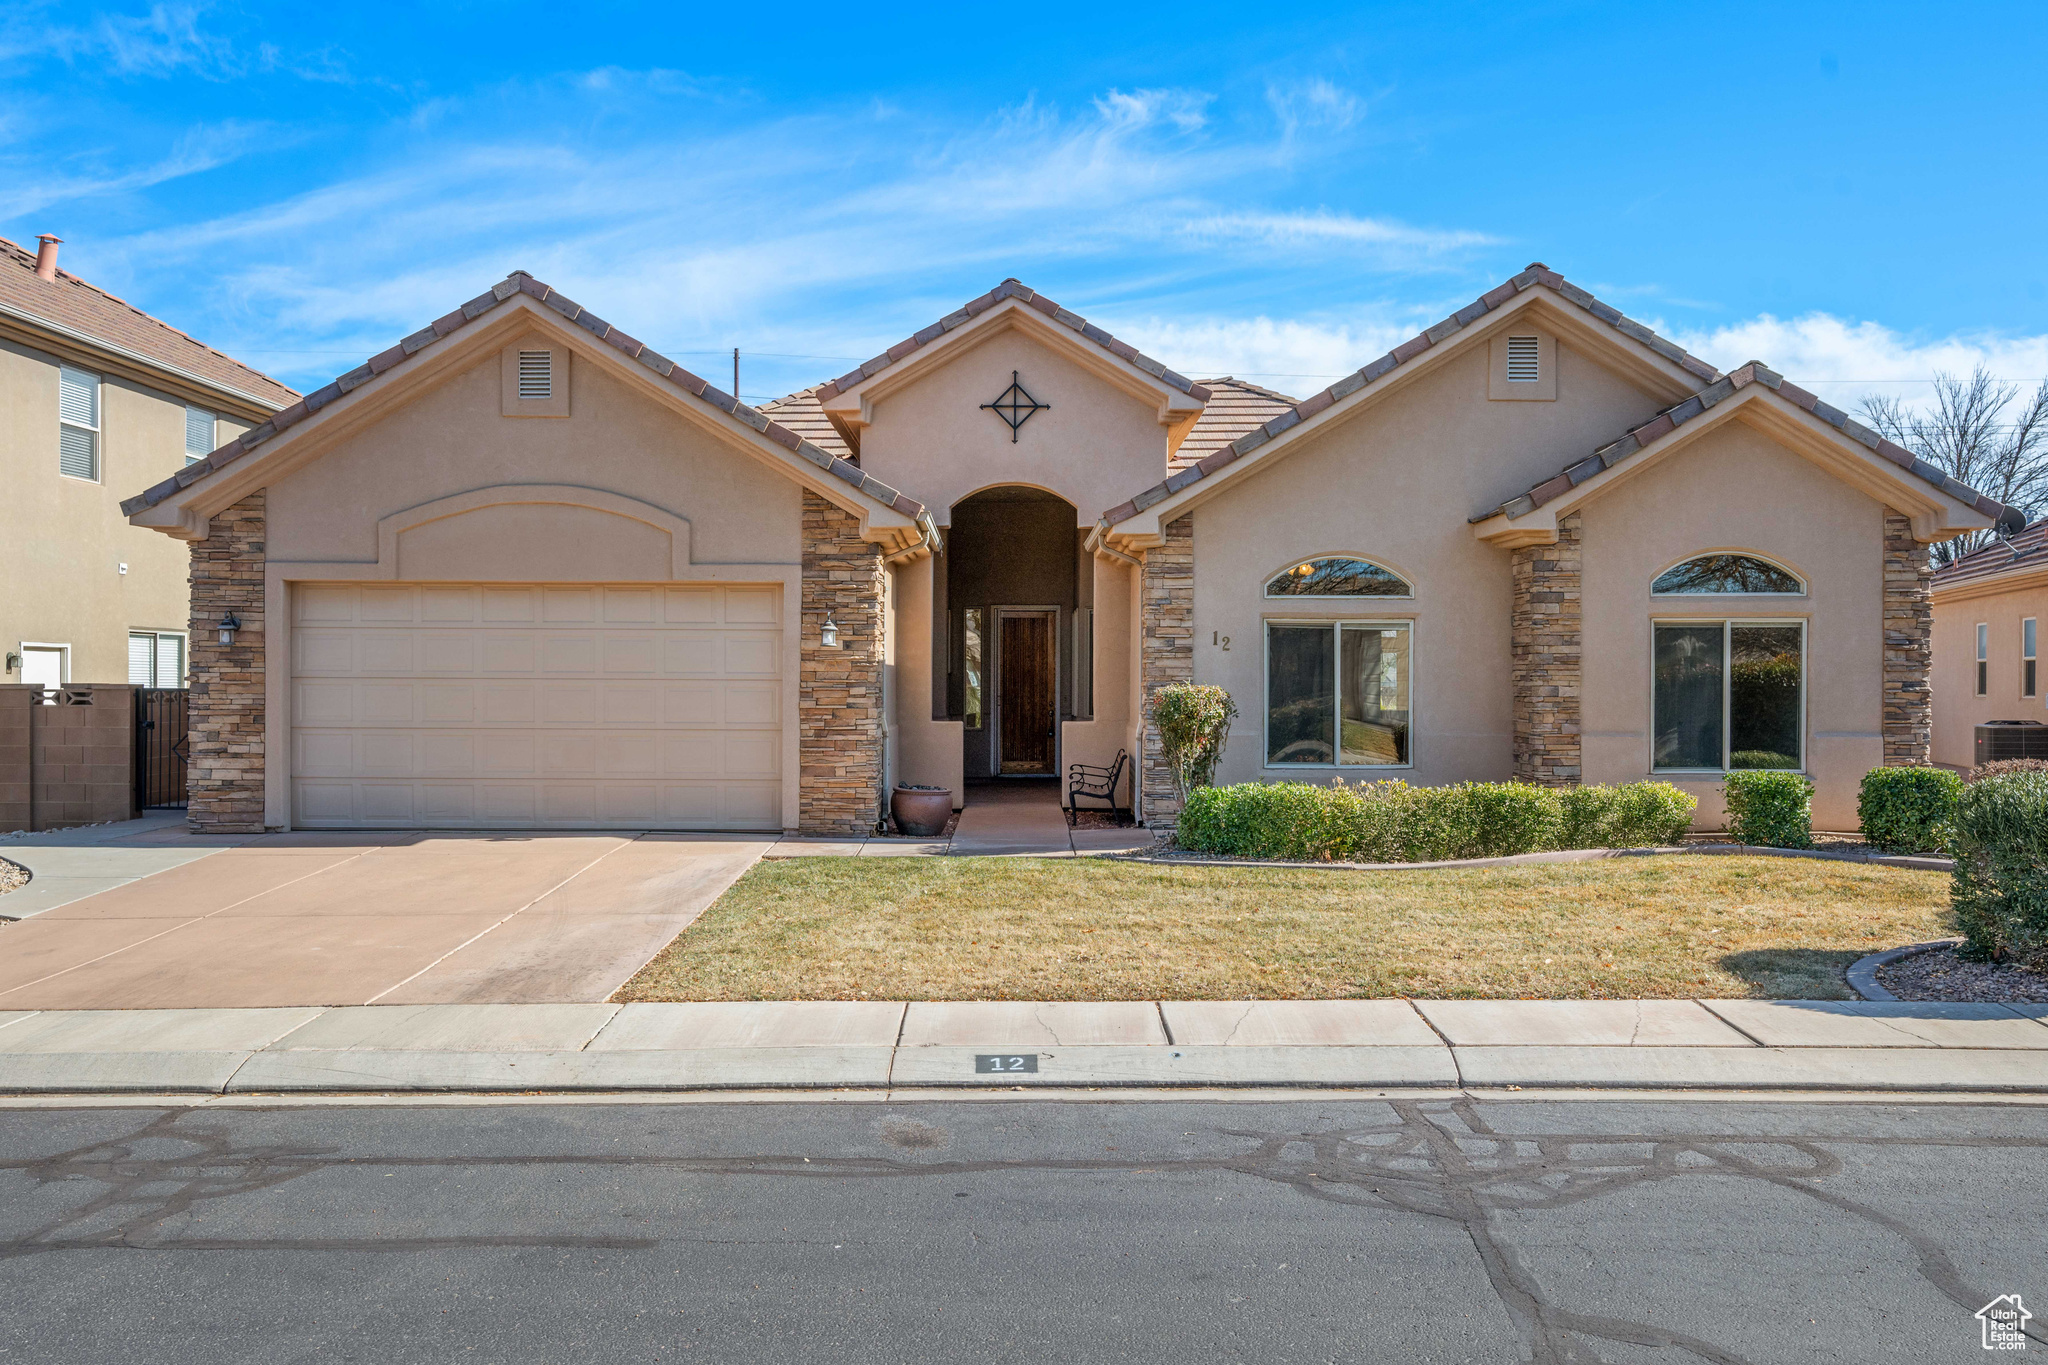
{"points": [[354, 919]]}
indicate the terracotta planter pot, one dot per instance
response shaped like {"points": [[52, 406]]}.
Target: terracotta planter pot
{"points": [[921, 811]]}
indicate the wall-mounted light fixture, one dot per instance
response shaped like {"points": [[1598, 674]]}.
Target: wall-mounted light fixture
{"points": [[13, 662], [228, 626], [828, 634]]}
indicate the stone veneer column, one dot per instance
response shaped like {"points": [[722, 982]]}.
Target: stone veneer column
{"points": [[226, 705], [839, 698], [1548, 646], [1166, 604], [1908, 651]]}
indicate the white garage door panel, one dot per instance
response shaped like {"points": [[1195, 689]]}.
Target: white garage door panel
{"points": [[569, 706]]}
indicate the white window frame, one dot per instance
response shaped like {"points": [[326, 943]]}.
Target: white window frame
{"points": [[1727, 677], [1335, 624], [1800, 578], [2030, 668], [63, 657], [1983, 687], [212, 420], [97, 426], [184, 640]]}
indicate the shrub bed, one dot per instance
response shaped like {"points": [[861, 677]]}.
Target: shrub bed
{"points": [[1392, 822], [2000, 888], [1770, 808], [1909, 810]]}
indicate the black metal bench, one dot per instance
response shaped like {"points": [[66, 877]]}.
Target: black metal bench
{"points": [[1088, 783]]}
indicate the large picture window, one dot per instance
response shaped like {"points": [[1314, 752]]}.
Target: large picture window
{"points": [[1730, 694], [1337, 693]]}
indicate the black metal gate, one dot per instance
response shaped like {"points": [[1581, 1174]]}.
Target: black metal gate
{"points": [[159, 747]]}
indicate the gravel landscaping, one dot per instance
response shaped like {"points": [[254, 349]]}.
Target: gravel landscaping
{"points": [[12, 875], [1941, 975]]}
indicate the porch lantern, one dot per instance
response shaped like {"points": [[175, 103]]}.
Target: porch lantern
{"points": [[228, 626], [828, 634]]}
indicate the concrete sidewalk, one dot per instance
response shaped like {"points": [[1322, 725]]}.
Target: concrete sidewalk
{"points": [[1594, 1044]]}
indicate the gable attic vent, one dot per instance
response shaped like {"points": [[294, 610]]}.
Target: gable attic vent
{"points": [[536, 375], [1523, 363]]}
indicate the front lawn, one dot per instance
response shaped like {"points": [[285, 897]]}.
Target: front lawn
{"points": [[1088, 929]]}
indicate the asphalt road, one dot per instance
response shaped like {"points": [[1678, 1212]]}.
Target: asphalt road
{"points": [[1418, 1230]]}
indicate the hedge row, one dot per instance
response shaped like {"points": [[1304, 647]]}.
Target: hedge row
{"points": [[2000, 889], [1392, 822]]}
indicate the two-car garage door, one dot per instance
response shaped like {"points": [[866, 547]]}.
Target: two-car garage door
{"points": [[571, 706]]}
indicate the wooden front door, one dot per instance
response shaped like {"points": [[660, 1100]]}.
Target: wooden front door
{"points": [[1025, 696]]}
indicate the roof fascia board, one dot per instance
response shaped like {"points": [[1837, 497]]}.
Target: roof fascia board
{"points": [[854, 406], [1935, 514], [185, 515], [133, 364]]}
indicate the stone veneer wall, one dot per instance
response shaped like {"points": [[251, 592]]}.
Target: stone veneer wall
{"points": [[226, 703], [1166, 655], [839, 718], [1548, 643], [1908, 649]]}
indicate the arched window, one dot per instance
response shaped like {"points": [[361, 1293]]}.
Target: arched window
{"points": [[1338, 576], [1727, 573]]}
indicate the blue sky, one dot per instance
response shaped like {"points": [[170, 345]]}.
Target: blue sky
{"points": [[1849, 192]]}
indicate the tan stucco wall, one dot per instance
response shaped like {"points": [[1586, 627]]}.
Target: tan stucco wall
{"points": [[1736, 489], [1396, 484], [452, 439], [1095, 446], [65, 539], [1957, 707], [1114, 724], [928, 751]]}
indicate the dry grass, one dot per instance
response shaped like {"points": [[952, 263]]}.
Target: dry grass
{"points": [[1085, 929]]}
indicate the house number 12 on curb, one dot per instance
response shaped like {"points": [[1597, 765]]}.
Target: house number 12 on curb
{"points": [[1004, 1063]]}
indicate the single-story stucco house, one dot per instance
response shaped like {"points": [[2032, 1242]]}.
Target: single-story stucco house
{"points": [[520, 571], [1988, 609]]}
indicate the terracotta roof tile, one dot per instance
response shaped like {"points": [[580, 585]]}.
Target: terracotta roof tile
{"points": [[758, 420], [803, 414], [72, 304], [1295, 412], [1008, 289], [2025, 552], [1234, 408], [1723, 388]]}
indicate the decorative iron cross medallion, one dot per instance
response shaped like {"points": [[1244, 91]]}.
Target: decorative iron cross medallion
{"points": [[1015, 406]]}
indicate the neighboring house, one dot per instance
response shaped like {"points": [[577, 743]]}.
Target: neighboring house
{"points": [[1990, 608], [96, 396], [518, 570]]}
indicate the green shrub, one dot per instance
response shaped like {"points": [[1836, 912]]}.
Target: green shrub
{"points": [[1770, 808], [1752, 759], [1194, 721], [1392, 822], [1909, 810], [2000, 889]]}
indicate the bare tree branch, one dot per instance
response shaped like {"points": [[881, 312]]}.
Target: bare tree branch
{"points": [[1969, 435]]}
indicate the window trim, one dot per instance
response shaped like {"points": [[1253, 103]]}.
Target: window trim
{"points": [[213, 420], [184, 639], [1266, 583], [1727, 623], [97, 427], [1983, 688], [62, 650], [1336, 625], [1805, 587], [2030, 679]]}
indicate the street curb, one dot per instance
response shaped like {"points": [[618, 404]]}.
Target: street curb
{"points": [[1572, 855], [1863, 971]]}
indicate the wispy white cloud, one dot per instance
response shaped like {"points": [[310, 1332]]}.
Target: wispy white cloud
{"points": [[1315, 104], [1323, 226], [1846, 361], [1297, 357], [28, 188], [167, 39]]}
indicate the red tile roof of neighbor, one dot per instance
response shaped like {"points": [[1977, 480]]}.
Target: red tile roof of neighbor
{"points": [[803, 414], [974, 308], [1234, 408], [519, 282], [2025, 552], [70, 304]]}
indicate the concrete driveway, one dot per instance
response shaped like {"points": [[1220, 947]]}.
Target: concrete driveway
{"points": [[351, 919]]}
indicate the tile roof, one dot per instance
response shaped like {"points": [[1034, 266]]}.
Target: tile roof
{"points": [[1234, 408], [73, 305], [1723, 388], [2025, 552], [519, 282], [802, 413], [1472, 312], [1010, 289]]}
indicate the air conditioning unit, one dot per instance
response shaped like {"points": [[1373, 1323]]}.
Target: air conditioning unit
{"points": [[2002, 739]]}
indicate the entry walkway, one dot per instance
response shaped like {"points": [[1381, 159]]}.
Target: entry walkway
{"points": [[1000, 818], [891, 1045]]}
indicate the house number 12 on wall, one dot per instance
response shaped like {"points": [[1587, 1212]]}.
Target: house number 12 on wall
{"points": [[1220, 641]]}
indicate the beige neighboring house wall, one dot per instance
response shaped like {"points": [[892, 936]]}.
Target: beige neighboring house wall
{"points": [[1999, 587], [64, 581]]}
